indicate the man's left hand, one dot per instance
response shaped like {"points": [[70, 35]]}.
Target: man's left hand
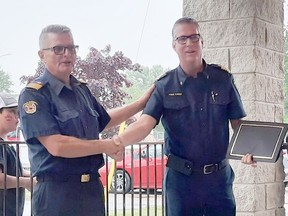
{"points": [[248, 159]]}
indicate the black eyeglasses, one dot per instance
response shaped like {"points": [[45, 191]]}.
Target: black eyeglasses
{"points": [[183, 39], [60, 50]]}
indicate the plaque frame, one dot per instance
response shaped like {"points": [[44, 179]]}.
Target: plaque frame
{"points": [[264, 140]]}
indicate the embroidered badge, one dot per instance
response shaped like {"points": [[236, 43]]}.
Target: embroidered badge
{"points": [[30, 107]]}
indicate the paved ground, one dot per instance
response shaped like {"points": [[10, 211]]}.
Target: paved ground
{"points": [[286, 201], [27, 209]]}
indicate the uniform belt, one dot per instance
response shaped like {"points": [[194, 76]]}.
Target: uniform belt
{"points": [[186, 167], [55, 177], [211, 168]]}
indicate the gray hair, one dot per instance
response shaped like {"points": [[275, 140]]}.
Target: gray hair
{"points": [[185, 20], [56, 29]]}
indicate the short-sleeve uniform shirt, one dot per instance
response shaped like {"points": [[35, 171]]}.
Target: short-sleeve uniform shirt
{"points": [[9, 153], [48, 107], [195, 112]]}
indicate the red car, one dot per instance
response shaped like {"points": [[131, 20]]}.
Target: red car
{"points": [[140, 169], [12, 136]]}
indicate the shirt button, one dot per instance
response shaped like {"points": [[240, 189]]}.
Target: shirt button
{"points": [[188, 166], [201, 109]]}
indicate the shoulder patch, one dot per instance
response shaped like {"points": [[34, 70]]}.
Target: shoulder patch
{"points": [[35, 85], [30, 107]]}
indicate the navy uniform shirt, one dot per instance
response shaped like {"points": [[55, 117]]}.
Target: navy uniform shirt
{"points": [[48, 107], [195, 113], [10, 197]]}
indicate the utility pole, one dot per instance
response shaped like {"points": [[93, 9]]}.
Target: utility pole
{"points": [[7, 54]]}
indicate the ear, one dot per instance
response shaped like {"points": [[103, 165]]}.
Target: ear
{"points": [[41, 55], [173, 45]]}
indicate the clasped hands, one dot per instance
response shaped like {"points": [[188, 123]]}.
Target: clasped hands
{"points": [[116, 149]]}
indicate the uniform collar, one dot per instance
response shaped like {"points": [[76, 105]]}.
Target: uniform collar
{"points": [[55, 83], [182, 76]]}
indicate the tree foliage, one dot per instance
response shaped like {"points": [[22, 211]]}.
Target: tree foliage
{"points": [[5, 82], [104, 75], [141, 82]]}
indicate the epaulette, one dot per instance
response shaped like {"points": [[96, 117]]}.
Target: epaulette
{"points": [[163, 75], [221, 67], [82, 81], [35, 85]]}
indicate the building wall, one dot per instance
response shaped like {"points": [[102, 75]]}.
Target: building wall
{"points": [[247, 37]]}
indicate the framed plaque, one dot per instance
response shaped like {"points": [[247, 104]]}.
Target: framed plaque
{"points": [[263, 140]]}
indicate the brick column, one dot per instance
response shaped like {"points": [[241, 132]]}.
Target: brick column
{"points": [[246, 36]]}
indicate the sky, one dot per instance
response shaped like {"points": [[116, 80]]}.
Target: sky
{"points": [[141, 29]]}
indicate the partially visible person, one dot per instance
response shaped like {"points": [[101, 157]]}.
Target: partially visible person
{"points": [[8, 123], [61, 121], [196, 102]]}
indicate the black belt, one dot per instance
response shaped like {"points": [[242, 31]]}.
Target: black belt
{"points": [[186, 167], [211, 168], [55, 177]]}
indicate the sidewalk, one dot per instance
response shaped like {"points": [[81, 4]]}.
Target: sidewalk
{"points": [[286, 201], [27, 208]]}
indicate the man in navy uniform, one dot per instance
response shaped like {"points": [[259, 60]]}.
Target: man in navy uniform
{"points": [[195, 102], [61, 122]]}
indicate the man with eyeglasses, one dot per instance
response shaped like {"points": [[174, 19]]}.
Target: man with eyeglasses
{"points": [[195, 102], [61, 122]]}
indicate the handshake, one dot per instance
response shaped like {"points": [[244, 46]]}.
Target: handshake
{"points": [[115, 148]]}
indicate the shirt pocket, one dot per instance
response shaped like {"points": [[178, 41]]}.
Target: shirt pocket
{"points": [[176, 109], [67, 120], [219, 97], [176, 103], [93, 113], [91, 123], [219, 101]]}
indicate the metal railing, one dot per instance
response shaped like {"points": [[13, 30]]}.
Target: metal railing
{"points": [[17, 145], [132, 186], [136, 184]]}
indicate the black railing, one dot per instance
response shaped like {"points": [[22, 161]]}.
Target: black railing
{"points": [[21, 149], [132, 186]]}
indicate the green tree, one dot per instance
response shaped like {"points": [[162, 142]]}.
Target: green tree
{"points": [[103, 75], [5, 82], [141, 82]]}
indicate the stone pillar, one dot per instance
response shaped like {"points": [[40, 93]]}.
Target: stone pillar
{"points": [[246, 36]]}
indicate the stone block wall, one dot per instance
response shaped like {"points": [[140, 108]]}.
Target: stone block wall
{"points": [[246, 36]]}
